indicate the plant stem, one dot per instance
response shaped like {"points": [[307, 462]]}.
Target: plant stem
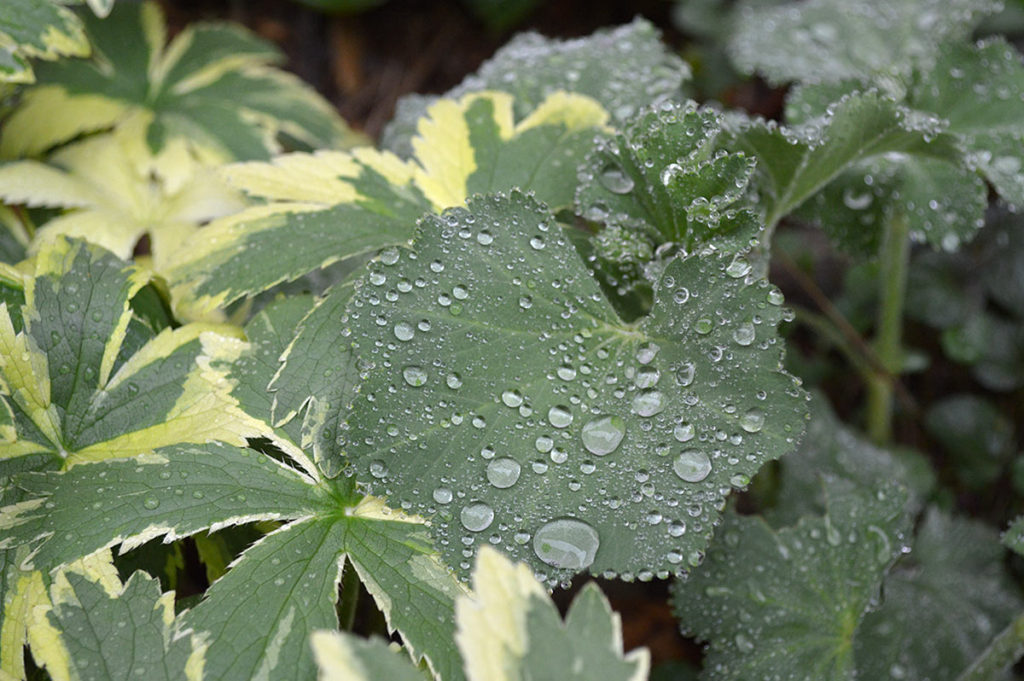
{"points": [[349, 602], [1006, 648], [894, 259]]}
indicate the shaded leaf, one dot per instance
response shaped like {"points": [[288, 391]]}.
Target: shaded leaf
{"points": [[977, 436], [506, 400], [344, 657], [43, 29]]}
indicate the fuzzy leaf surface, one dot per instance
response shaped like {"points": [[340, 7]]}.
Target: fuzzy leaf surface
{"points": [[943, 604], [832, 40], [786, 604], [506, 393], [623, 68], [212, 85], [120, 636], [86, 380], [330, 206]]}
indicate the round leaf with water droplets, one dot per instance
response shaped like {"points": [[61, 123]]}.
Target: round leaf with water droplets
{"points": [[613, 445], [785, 605]]}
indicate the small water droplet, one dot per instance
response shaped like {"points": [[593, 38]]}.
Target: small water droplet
{"points": [[485, 238], [752, 420], [703, 326], [559, 416], [414, 376], [512, 398], [646, 353], [404, 331], [566, 372], [503, 472], [692, 465], [378, 469], [453, 381], [567, 543], [476, 517], [616, 181], [443, 495], [151, 503], [649, 403], [684, 432], [543, 443], [537, 243], [744, 644], [744, 334], [525, 302], [603, 435]]}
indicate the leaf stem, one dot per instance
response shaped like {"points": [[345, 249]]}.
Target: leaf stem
{"points": [[894, 259], [1005, 649], [349, 602]]}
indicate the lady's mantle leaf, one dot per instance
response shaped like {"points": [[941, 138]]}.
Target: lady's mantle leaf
{"points": [[832, 40], [623, 68], [133, 633], [943, 604], [212, 85], [785, 605], [86, 380], [508, 630], [44, 29], [119, 191], [506, 400], [330, 206]]}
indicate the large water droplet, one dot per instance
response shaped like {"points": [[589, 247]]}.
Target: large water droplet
{"points": [[559, 416], [744, 334], [692, 465], [404, 331], [414, 376], [503, 472], [752, 420], [603, 435], [684, 374], [567, 543], [649, 403], [616, 181], [476, 517]]}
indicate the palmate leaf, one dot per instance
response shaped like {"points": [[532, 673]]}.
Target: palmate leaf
{"points": [[832, 40], [118, 191], [943, 604], [330, 206], [257, 616], [794, 164], [786, 604], [624, 69], [212, 86], [506, 401], [86, 380], [118, 636], [43, 29], [509, 630]]}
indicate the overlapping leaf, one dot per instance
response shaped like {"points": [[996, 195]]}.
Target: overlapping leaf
{"points": [[43, 29], [118, 191], [507, 401], [509, 630], [786, 604], [97, 635], [86, 380], [212, 86], [833, 40], [624, 69], [330, 206]]}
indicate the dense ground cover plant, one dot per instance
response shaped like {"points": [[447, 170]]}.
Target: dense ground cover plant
{"points": [[530, 336]]}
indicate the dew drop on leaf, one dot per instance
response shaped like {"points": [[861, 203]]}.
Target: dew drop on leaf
{"points": [[616, 181], [477, 517], [567, 543], [692, 465], [752, 420], [151, 503], [559, 416], [512, 398], [649, 403], [684, 432], [602, 436], [414, 376], [404, 331], [744, 334], [503, 472], [443, 495]]}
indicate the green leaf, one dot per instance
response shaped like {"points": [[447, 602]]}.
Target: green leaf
{"points": [[120, 636], [662, 177], [500, 15], [211, 86], [118, 191], [624, 69], [85, 382], [979, 90], [42, 29], [829, 450], [172, 493], [14, 238], [943, 604], [1013, 538], [832, 40], [507, 400], [796, 163], [332, 205], [786, 604], [508, 630], [978, 437]]}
